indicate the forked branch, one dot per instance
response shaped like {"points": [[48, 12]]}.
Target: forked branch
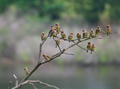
{"points": [[62, 51], [34, 81]]}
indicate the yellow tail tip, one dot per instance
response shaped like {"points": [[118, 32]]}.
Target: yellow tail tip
{"points": [[86, 52]]}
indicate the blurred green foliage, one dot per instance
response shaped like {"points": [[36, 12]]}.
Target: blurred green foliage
{"points": [[91, 11]]}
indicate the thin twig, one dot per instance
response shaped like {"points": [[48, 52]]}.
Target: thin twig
{"points": [[16, 83], [72, 45], [40, 49], [32, 85], [9, 84], [43, 87], [69, 53], [59, 48], [80, 46]]}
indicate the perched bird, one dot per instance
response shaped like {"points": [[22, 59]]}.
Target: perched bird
{"points": [[50, 31], [26, 70], [57, 27], [58, 42], [78, 36], [42, 36], [92, 33], [84, 33], [46, 57], [88, 46], [70, 36], [63, 34], [92, 48], [53, 33], [98, 30], [108, 30]]}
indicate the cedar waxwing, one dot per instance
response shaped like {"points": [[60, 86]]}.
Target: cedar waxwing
{"points": [[92, 33], [70, 36], [46, 57], [26, 71], [98, 30], [42, 36], [92, 48], [53, 33], [63, 34], [78, 36], [58, 42], [50, 31], [84, 33], [108, 30], [57, 27], [88, 46]]}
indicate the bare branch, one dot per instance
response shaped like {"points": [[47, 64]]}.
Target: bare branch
{"points": [[69, 53], [43, 87], [16, 83], [40, 49], [35, 81], [72, 45], [32, 85], [9, 84], [59, 48], [80, 46]]}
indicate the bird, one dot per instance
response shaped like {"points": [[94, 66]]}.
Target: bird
{"points": [[108, 30], [42, 36], [78, 36], [46, 57], [98, 30], [88, 46], [53, 33], [92, 33], [58, 42], [84, 33], [57, 27], [26, 70], [70, 36], [50, 31], [92, 48], [63, 34]]}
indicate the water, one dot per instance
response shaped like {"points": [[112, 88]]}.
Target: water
{"points": [[66, 77]]}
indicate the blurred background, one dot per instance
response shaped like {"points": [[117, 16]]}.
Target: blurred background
{"points": [[23, 21]]}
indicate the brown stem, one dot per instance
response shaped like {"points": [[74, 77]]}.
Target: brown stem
{"points": [[40, 49]]}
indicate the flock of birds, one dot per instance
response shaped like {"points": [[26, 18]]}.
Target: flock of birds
{"points": [[54, 31]]}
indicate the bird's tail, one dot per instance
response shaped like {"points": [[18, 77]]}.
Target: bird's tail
{"points": [[87, 51]]}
